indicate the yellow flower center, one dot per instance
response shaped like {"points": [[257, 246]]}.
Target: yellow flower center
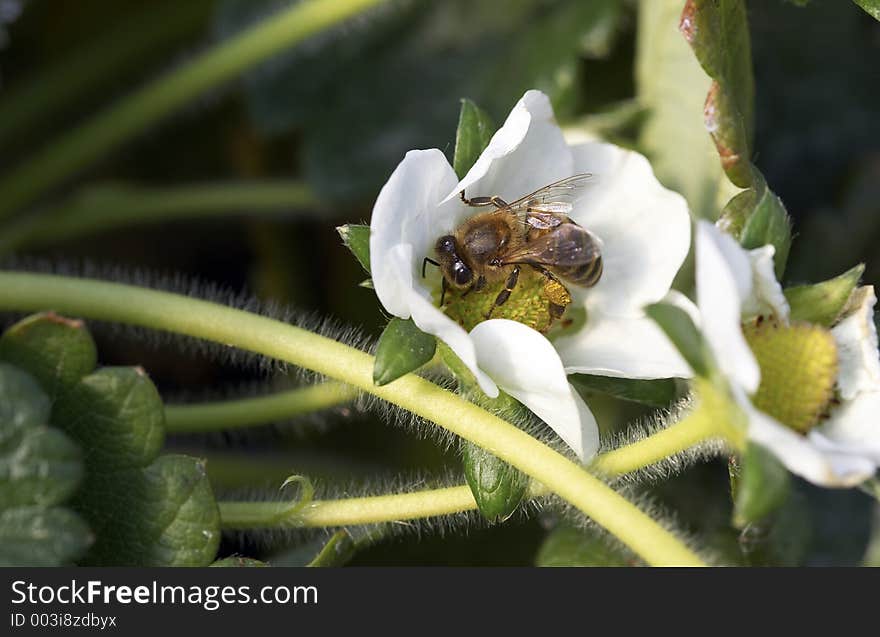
{"points": [[529, 302], [798, 371]]}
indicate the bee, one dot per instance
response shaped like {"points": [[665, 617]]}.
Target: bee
{"points": [[534, 231]]}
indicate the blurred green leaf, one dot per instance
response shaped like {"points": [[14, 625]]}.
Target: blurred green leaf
{"points": [[162, 515], [475, 129], [657, 393], [498, 487], [55, 350], [568, 546], [822, 303], [365, 93], [239, 562], [39, 466], [872, 7], [761, 486], [338, 550], [402, 348], [23, 404], [117, 415], [672, 87], [718, 31], [35, 536], [357, 239], [680, 329], [783, 538]]}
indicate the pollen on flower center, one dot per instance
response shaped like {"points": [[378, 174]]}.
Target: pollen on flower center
{"points": [[528, 303], [798, 371]]}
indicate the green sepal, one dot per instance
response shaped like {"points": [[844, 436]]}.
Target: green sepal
{"points": [[39, 466], [475, 129], [356, 238], [569, 546], [236, 561], [498, 488], [760, 485], [822, 303], [161, 515], [656, 393], [680, 328], [55, 350], [765, 222], [338, 551], [402, 348], [37, 536]]}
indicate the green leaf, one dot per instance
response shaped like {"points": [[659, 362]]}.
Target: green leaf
{"points": [[402, 348], [761, 486], [22, 403], [657, 393], [163, 515], [568, 546], [54, 350], [36, 536], [672, 87], [498, 488], [680, 329], [117, 415], [357, 239], [718, 31], [237, 561], [872, 7], [475, 129], [338, 550], [40, 466], [822, 303]]}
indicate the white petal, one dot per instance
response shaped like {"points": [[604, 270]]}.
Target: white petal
{"points": [[766, 294], [856, 337], [853, 427], [525, 365], [407, 212], [802, 455], [645, 228], [624, 347], [723, 280], [528, 152]]}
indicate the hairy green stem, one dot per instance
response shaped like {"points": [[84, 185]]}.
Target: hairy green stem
{"points": [[236, 328], [133, 114], [105, 207], [248, 412]]}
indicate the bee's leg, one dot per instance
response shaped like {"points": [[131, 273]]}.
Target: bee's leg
{"points": [[478, 202], [442, 291], [425, 262], [555, 292], [478, 285], [504, 294]]}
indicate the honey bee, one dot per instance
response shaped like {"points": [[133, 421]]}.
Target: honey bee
{"points": [[533, 231]]}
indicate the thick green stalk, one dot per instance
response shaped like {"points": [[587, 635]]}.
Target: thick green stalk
{"points": [[236, 328], [133, 114]]}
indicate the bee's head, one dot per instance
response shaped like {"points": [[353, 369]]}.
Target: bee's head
{"points": [[454, 269]]}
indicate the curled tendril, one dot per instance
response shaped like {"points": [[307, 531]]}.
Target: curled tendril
{"points": [[306, 495]]}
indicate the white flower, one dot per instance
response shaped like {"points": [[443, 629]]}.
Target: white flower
{"points": [[734, 284], [645, 234]]}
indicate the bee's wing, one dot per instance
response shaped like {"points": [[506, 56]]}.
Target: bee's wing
{"points": [[569, 245], [549, 206]]}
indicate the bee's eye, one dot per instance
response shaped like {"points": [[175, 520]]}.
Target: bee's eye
{"points": [[462, 274], [446, 244]]}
